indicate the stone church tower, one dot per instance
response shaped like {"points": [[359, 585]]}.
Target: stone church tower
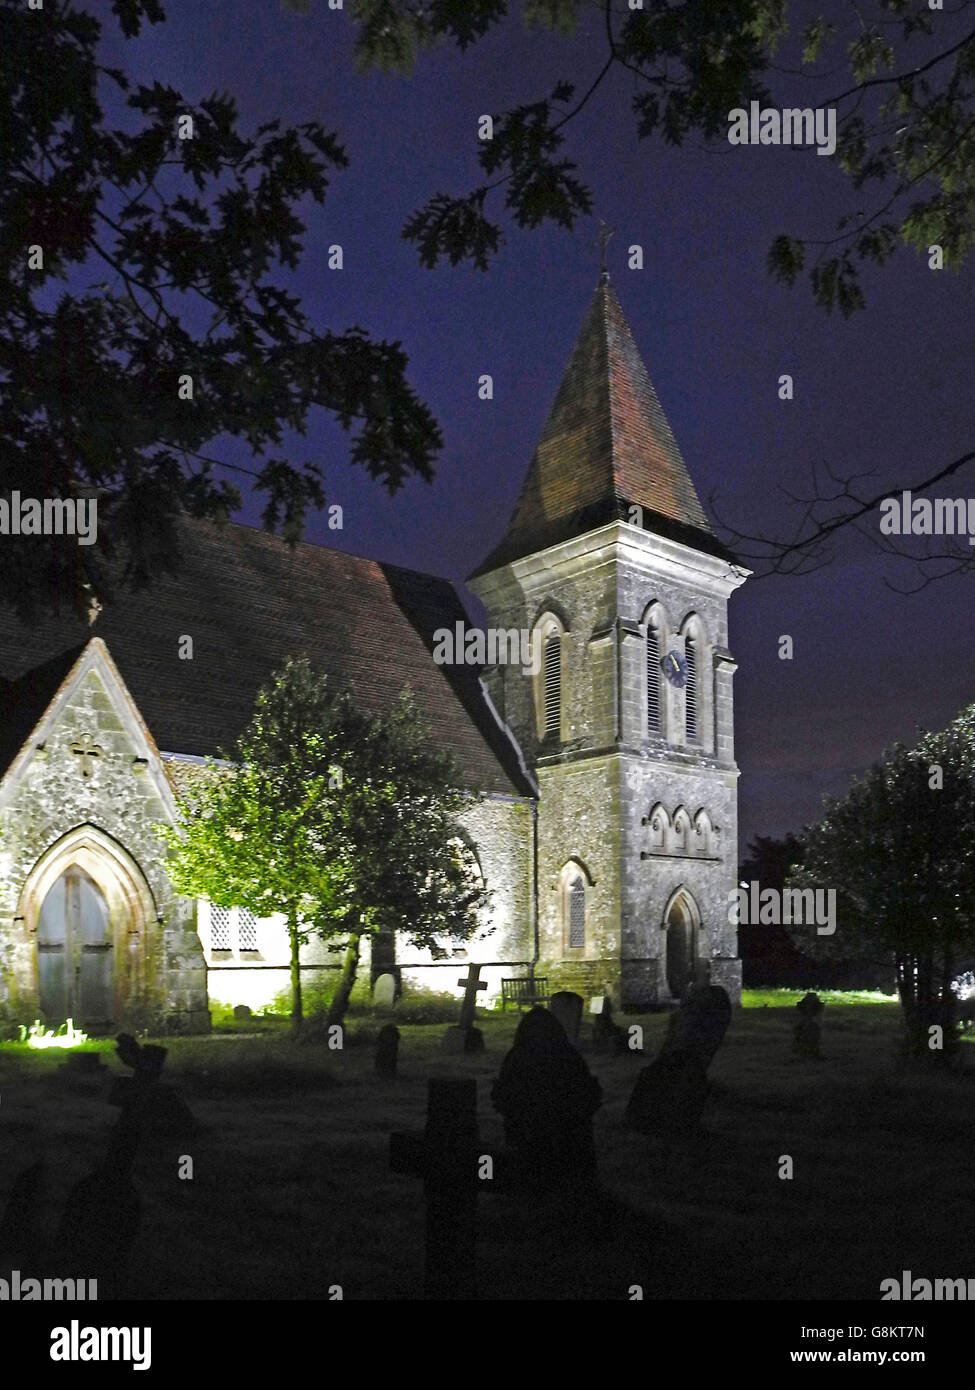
{"points": [[627, 725]]}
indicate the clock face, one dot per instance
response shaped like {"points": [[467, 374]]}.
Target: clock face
{"points": [[675, 668]]}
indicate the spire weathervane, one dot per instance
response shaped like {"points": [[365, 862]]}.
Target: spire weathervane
{"points": [[602, 241]]}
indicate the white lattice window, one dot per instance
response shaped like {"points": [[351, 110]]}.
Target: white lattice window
{"points": [[246, 929], [221, 928]]}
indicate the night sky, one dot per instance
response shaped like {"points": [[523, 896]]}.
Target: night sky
{"points": [[890, 390]]}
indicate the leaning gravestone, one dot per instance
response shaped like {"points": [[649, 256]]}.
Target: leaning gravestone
{"points": [[699, 1025], [384, 992], [141, 1098], [805, 1039], [387, 1050], [669, 1095], [567, 1008]]}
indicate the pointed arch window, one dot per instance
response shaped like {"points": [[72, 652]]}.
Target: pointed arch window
{"points": [[690, 689], [577, 914], [653, 678], [553, 684]]}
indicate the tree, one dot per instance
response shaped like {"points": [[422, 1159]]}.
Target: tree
{"points": [[898, 850], [341, 821], [118, 389]]}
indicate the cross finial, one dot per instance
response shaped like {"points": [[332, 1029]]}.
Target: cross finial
{"points": [[602, 241]]}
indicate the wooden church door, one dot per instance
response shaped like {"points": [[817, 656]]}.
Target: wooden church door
{"points": [[681, 949], [74, 949]]}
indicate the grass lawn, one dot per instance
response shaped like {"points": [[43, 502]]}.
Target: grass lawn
{"points": [[292, 1192]]}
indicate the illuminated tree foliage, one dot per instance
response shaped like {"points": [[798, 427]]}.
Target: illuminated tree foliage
{"points": [[341, 821], [132, 260], [900, 851]]}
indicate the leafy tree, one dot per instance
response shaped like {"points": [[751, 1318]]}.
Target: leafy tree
{"points": [[190, 218], [898, 849], [343, 822]]}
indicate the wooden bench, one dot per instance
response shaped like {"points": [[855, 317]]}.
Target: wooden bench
{"points": [[523, 991]]}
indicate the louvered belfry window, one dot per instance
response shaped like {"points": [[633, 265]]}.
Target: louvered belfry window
{"points": [[220, 938], [690, 690], [653, 680], [577, 913], [553, 683]]}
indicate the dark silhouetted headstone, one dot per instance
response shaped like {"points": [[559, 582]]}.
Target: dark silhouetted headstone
{"points": [[242, 1013], [445, 1157], [607, 1035], [464, 1037], [20, 1231], [142, 1098], [669, 1095], [547, 1097], [384, 992], [699, 1025], [567, 1008], [387, 1050], [805, 1039]]}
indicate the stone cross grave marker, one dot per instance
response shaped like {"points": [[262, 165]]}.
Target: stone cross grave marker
{"points": [[465, 1037], [445, 1156]]}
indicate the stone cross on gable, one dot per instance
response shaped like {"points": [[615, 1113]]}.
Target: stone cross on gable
{"points": [[87, 752], [471, 985]]}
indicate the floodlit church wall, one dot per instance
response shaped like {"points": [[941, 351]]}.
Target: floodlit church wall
{"points": [[500, 832]]}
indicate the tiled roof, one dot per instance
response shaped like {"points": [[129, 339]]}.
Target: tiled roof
{"points": [[606, 446], [249, 602]]}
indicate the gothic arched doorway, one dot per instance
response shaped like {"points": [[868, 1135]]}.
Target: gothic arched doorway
{"points": [[90, 917], [681, 924], [74, 953]]}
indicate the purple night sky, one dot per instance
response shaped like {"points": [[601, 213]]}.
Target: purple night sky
{"points": [[890, 390]]}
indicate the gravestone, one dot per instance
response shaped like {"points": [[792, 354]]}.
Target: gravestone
{"points": [[242, 1012], [20, 1241], [446, 1157], [384, 992], [387, 1050], [547, 1098], [669, 1095], [805, 1039], [464, 1037], [607, 1035], [567, 1008], [142, 1098], [101, 1215], [699, 1025]]}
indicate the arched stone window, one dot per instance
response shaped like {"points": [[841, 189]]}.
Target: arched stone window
{"points": [[702, 833], [547, 651], [655, 625], [698, 693], [576, 884], [682, 831], [659, 822]]}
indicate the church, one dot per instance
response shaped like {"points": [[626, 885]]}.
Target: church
{"points": [[605, 824]]}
